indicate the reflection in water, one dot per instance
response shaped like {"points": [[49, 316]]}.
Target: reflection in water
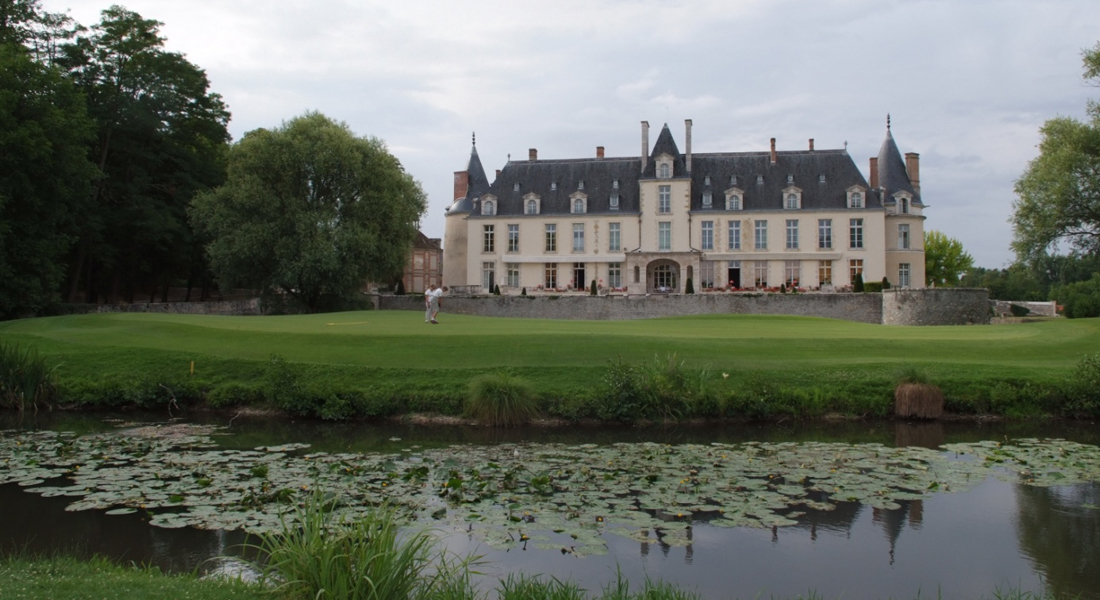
{"points": [[922, 434], [893, 521], [1059, 531]]}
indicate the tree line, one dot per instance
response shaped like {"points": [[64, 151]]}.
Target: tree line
{"points": [[109, 143]]}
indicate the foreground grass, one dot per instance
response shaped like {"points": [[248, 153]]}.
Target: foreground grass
{"points": [[386, 362]]}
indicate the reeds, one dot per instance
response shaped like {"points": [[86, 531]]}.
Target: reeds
{"points": [[25, 380], [915, 397], [501, 399]]}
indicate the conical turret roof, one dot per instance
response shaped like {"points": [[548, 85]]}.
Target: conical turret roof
{"points": [[892, 175], [478, 183]]}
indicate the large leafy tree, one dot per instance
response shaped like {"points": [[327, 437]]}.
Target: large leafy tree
{"points": [[309, 211], [161, 137], [945, 261], [1058, 196], [45, 175]]}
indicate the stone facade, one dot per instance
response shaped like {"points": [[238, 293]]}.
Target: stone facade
{"points": [[935, 306]]}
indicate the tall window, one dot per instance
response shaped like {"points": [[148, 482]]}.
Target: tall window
{"points": [[487, 239], [615, 275], [664, 279], [792, 234], [825, 234], [488, 276], [855, 267], [857, 200], [708, 199], [488, 208], [513, 274], [551, 237], [903, 275], [550, 276], [792, 272], [825, 272], [903, 236], [664, 236], [513, 238], [855, 233], [760, 273], [614, 238], [578, 237], [706, 274], [792, 201], [579, 281], [664, 199], [734, 235], [532, 207], [905, 206], [578, 205], [707, 240], [761, 235]]}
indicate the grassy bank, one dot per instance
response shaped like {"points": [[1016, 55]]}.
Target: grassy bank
{"points": [[347, 365]]}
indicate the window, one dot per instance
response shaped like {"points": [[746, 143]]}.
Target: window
{"points": [[759, 180], [792, 202], [551, 237], [790, 178], [578, 237], [513, 274], [905, 206], [707, 200], [855, 267], [488, 276], [664, 278], [733, 202], [825, 272], [706, 180], [792, 273], [706, 274], [792, 234], [487, 241], [821, 178], [856, 200], [664, 199], [760, 273], [903, 236], [488, 207], [513, 238], [580, 185], [664, 171], [615, 275], [579, 280], [761, 235], [515, 187], [733, 180], [550, 276], [855, 233], [824, 234], [903, 275], [707, 240], [614, 202], [614, 238], [532, 207], [553, 186], [664, 236], [578, 205], [615, 184], [734, 235]]}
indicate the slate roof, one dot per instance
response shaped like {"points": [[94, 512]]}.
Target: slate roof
{"points": [[538, 176], [665, 145], [478, 184], [892, 175]]}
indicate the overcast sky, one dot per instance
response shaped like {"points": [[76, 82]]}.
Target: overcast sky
{"points": [[968, 82]]}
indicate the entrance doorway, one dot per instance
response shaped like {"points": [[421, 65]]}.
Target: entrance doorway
{"points": [[663, 277], [733, 277]]}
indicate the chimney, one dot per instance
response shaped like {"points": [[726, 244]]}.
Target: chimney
{"points": [[462, 184], [874, 173], [533, 154], [645, 144], [912, 168], [599, 151], [498, 174], [811, 144], [773, 151], [687, 142]]}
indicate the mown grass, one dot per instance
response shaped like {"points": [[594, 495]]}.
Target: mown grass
{"points": [[387, 362]]}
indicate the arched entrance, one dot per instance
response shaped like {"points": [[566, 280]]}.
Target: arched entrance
{"points": [[663, 277]]}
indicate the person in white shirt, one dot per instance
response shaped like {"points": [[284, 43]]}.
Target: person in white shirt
{"points": [[435, 301], [428, 315]]}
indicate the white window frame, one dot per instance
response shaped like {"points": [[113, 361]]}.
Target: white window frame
{"points": [[578, 237], [551, 238], [706, 238], [903, 236], [824, 272], [855, 234], [615, 275], [664, 199], [614, 237], [760, 235], [664, 236], [488, 208], [734, 199], [513, 237], [488, 238], [824, 234], [904, 275], [512, 274], [792, 234], [733, 235]]}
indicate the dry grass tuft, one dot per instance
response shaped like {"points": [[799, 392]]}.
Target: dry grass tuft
{"points": [[918, 401]]}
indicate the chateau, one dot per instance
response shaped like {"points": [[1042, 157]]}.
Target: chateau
{"points": [[646, 224]]}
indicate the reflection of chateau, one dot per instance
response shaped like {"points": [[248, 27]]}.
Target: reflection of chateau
{"points": [[804, 218]]}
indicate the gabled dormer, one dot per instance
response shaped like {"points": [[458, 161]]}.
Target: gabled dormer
{"points": [[665, 161]]}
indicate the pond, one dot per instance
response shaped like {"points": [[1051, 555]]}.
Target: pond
{"points": [[851, 509]]}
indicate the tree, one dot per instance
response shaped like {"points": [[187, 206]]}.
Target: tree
{"points": [[857, 283], [309, 211], [1081, 299], [1058, 195], [945, 261]]}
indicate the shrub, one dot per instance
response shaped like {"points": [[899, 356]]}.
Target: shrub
{"points": [[400, 288], [523, 292], [782, 288], [501, 399], [24, 377], [234, 394], [1083, 389], [857, 283], [872, 287], [592, 289], [885, 283], [1081, 299], [496, 290]]}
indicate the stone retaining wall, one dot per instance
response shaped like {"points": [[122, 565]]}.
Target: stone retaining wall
{"points": [[935, 306], [224, 307]]}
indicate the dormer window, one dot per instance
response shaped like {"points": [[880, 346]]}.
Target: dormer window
{"points": [[532, 207], [614, 202], [790, 178], [855, 199], [580, 185], [733, 180], [707, 200], [531, 204], [904, 206], [578, 206], [515, 187], [791, 202], [578, 203], [821, 178], [706, 180], [553, 186], [664, 170], [615, 184], [759, 180], [733, 202], [488, 208]]}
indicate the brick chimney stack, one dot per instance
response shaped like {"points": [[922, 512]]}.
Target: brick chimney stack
{"points": [[811, 144], [462, 184], [874, 173], [533, 154], [687, 143], [599, 151], [645, 144], [498, 174], [773, 151], [912, 168]]}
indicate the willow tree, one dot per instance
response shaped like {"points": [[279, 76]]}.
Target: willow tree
{"points": [[309, 211]]}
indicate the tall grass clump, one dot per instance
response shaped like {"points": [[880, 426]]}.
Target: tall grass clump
{"points": [[321, 556], [524, 587], [25, 380], [1083, 389], [664, 389], [915, 397], [501, 399]]}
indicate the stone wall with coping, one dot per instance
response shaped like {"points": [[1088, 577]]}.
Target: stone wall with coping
{"points": [[935, 306], [1003, 308], [223, 307]]}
